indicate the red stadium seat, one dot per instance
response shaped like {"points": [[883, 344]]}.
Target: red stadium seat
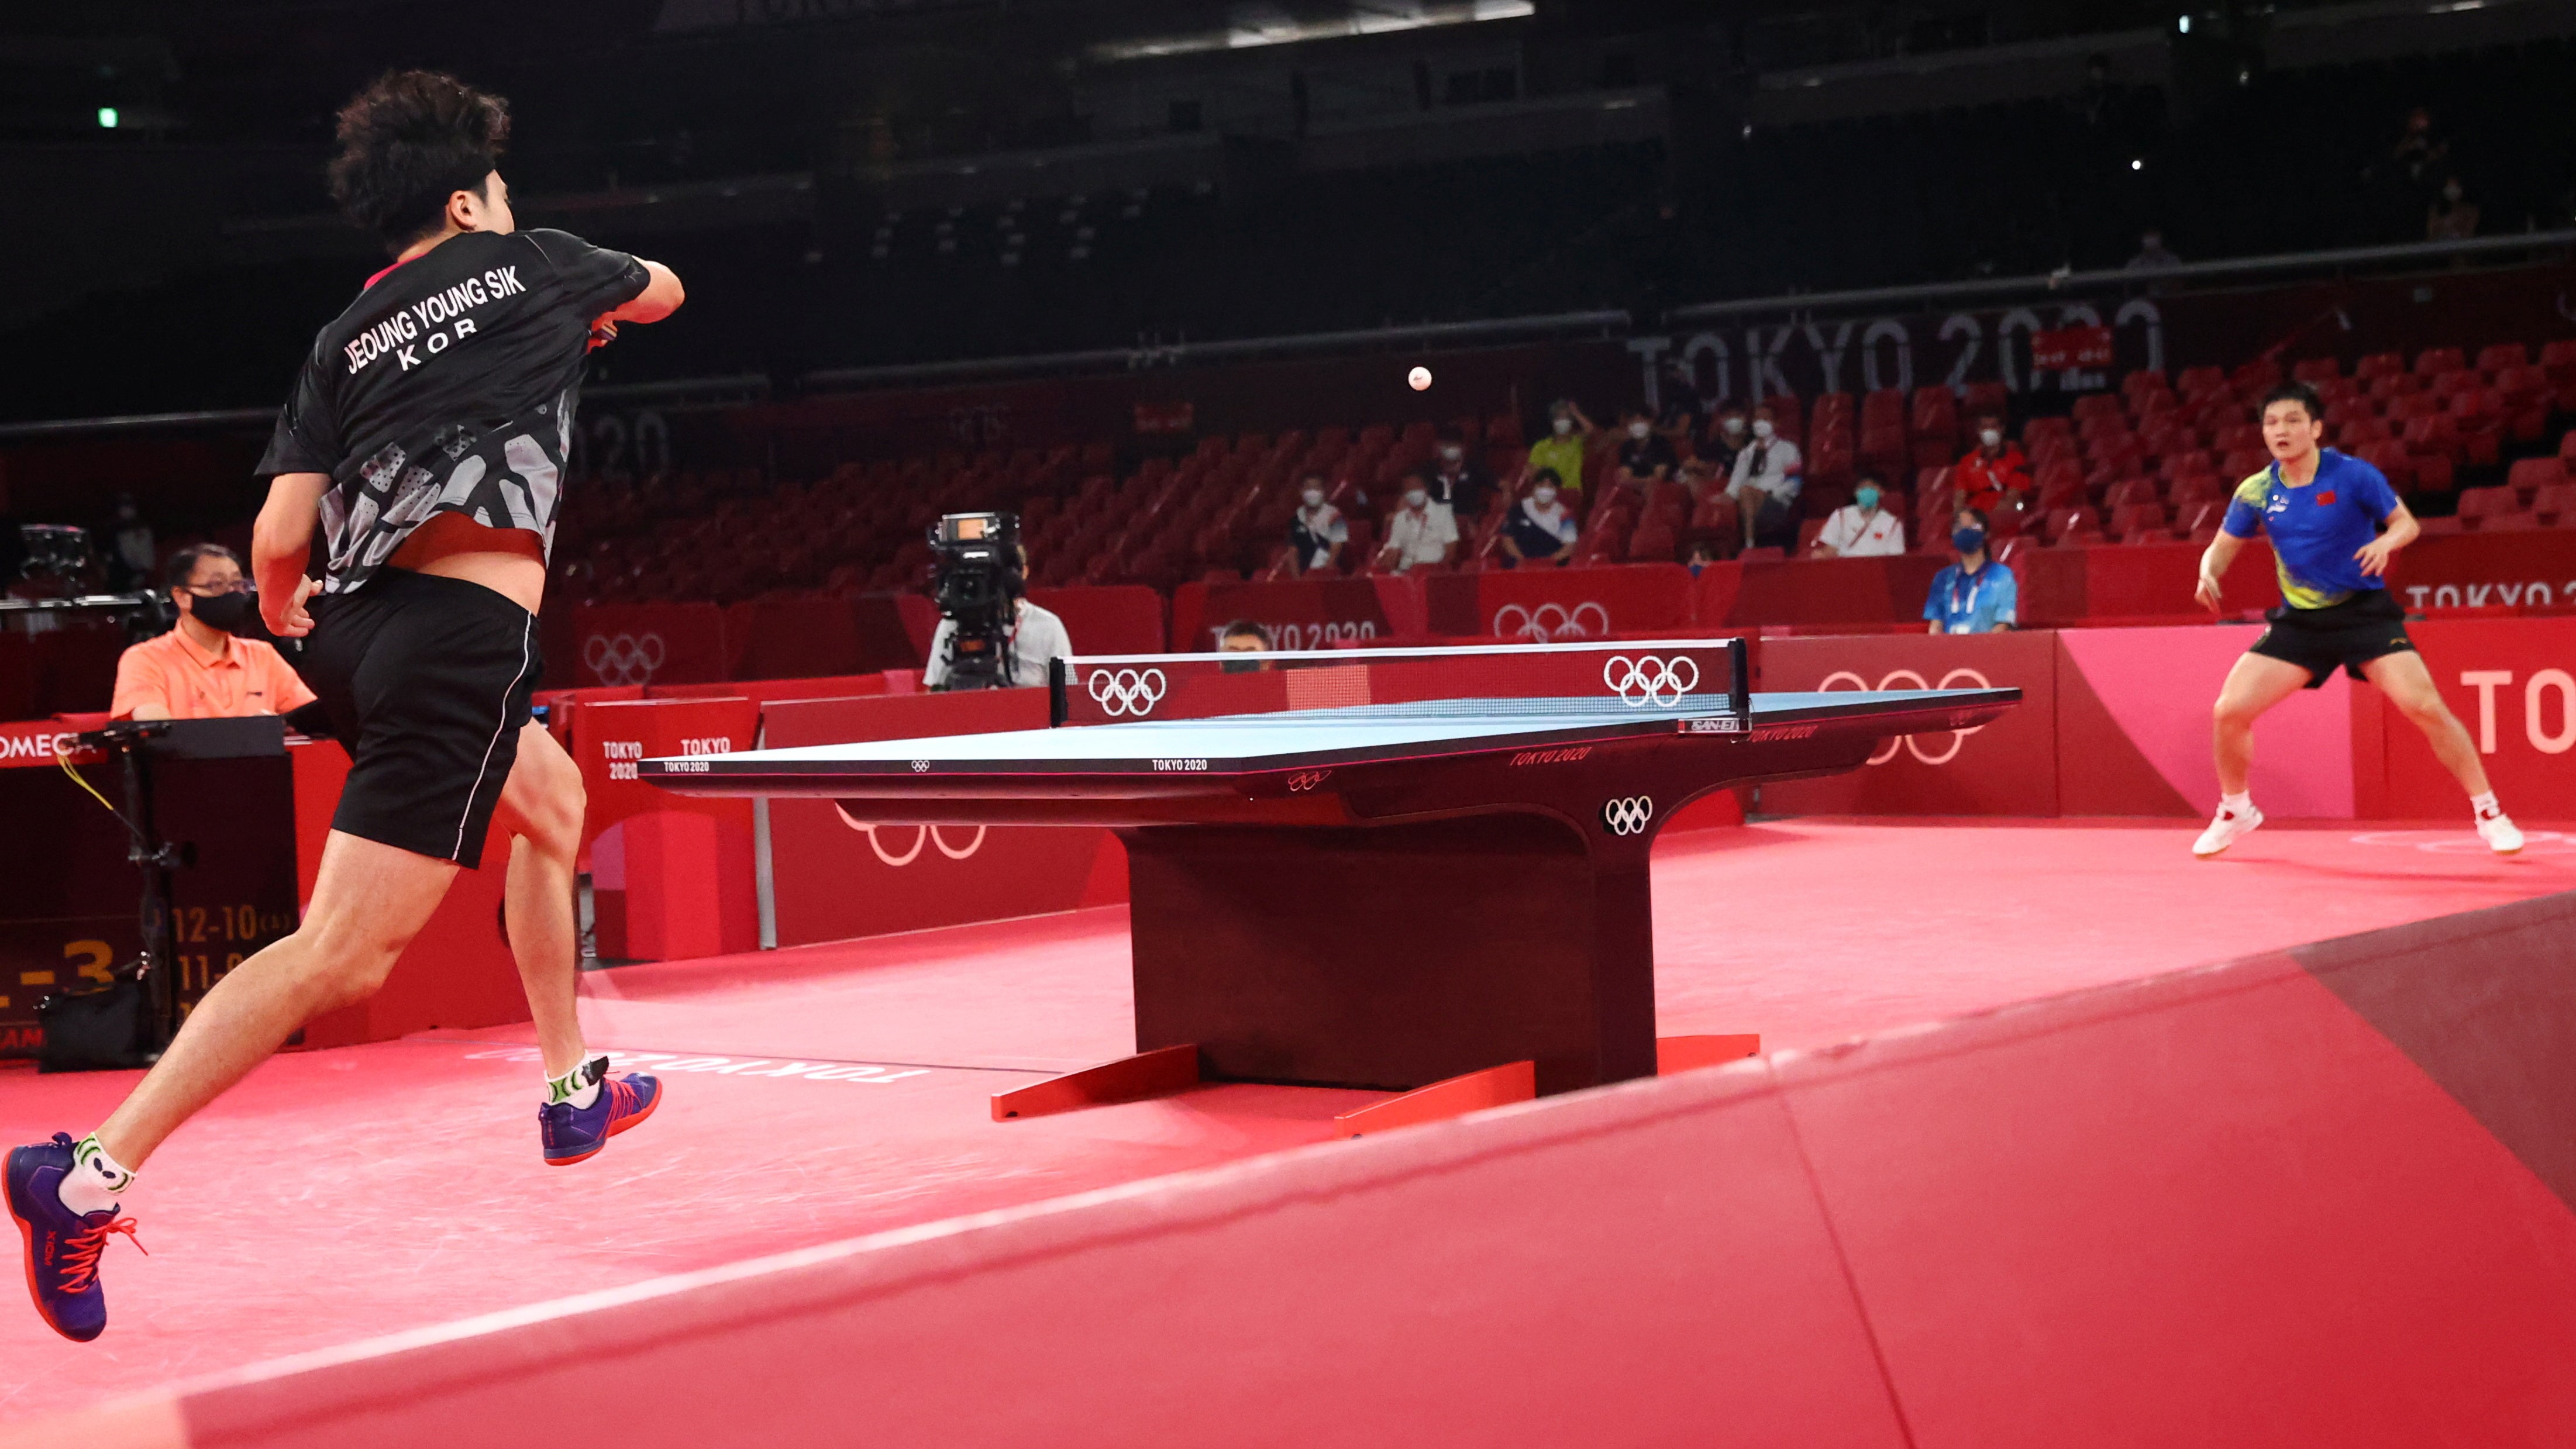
{"points": [[2315, 370], [2379, 364], [2495, 357], [2556, 502], [2481, 503], [2434, 361]]}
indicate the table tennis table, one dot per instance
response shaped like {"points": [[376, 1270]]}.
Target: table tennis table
{"points": [[1376, 868]]}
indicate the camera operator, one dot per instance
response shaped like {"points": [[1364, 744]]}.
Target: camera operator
{"points": [[199, 670], [990, 636]]}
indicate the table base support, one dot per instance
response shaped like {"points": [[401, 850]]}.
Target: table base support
{"points": [[1456, 1097], [1146, 1074]]}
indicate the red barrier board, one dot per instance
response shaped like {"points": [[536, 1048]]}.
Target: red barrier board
{"points": [[1300, 613], [1117, 619], [2005, 768], [671, 879], [2512, 682], [1542, 604], [2534, 569], [2062, 585], [832, 880], [1817, 591], [797, 639], [645, 643]]}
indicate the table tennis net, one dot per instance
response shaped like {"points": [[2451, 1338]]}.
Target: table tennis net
{"points": [[1660, 677]]}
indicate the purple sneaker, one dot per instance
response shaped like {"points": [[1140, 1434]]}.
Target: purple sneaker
{"points": [[575, 1134], [62, 1245]]}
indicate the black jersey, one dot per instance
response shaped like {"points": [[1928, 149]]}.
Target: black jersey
{"points": [[448, 387]]}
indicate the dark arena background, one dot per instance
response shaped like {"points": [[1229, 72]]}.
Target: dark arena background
{"points": [[1617, 976]]}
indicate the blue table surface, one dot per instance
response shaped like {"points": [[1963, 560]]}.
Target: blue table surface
{"points": [[1309, 732]]}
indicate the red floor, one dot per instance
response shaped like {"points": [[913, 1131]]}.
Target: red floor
{"points": [[348, 1193]]}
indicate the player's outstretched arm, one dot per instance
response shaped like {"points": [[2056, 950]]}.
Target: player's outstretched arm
{"points": [[2213, 567], [660, 298], [279, 542]]}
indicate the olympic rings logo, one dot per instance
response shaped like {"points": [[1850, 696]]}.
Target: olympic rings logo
{"points": [[1305, 780], [926, 835], [1127, 691], [1551, 621], [623, 659], [1628, 815], [1648, 679], [1908, 679]]}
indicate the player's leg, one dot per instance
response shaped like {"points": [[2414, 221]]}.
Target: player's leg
{"points": [[369, 900], [2409, 685], [2254, 685], [541, 808]]}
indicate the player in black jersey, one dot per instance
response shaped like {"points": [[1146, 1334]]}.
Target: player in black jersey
{"points": [[426, 437]]}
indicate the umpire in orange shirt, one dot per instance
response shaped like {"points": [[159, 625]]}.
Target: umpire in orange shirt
{"points": [[198, 670]]}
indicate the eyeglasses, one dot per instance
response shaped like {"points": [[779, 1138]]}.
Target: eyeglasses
{"points": [[208, 591]]}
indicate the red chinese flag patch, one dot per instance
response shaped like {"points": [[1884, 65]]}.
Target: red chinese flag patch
{"points": [[2325, 498]]}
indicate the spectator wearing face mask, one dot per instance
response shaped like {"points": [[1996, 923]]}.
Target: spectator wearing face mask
{"points": [[1317, 530], [1976, 595], [1702, 554], [1860, 528], [1995, 474], [1561, 451], [2452, 217], [131, 557], [1459, 484], [1244, 636], [1417, 534], [199, 670], [1645, 456], [1539, 529], [1766, 480], [1728, 431]]}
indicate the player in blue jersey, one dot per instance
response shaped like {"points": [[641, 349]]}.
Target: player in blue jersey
{"points": [[2334, 524]]}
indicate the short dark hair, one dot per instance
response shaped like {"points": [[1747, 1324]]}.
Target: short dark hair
{"points": [[1548, 476], [1870, 475], [408, 142], [1449, 434], [1246, 629], [1978, 514], [183, 564], [2297, 392]]}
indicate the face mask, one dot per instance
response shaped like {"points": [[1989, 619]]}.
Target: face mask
{"points": [[1968, 540], [1990, 437], [125, 511], [228, 612], [1638, 431], [1415, 498], [1564, 426], [1733, 426], [1452, 454], [1314, 497], [2450, 193], [1867, 498], [1542, 495], [1763, 429]]}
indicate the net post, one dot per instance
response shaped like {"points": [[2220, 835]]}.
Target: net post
{"points": [[1739, 682], [1059, 677]]}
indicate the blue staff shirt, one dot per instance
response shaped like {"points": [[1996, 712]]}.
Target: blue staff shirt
{"points": [[2316, 529], [1973, 603]]}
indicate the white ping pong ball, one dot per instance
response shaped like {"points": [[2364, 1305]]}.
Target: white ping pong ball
{"points": [[1420, 377]]}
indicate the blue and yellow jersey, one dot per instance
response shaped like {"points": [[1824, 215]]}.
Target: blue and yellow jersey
{"points": [[2316, 529]]}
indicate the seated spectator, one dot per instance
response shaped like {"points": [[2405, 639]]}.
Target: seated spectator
{"points": [[1645, 456], [1702, 554], [1243, 636], [1995, 474], [2452, 217], [1767, 477], [1860, 528], [1561, 451], [1317, 531], [1976, 595], [1417, 534], [132, 548], [1459, 484], [2152, 256], [199, 670], [1540, 529], [1728, 431]]}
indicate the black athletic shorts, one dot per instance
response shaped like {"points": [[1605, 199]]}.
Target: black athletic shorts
{"points": [[2369, 625], [426, 682]]}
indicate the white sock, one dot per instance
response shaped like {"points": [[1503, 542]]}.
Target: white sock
{"points": [[2483, 806], [2239, 803], [580, 1086], [95, 1182]]}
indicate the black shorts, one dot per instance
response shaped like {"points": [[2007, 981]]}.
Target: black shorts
{"points": [[2369, 625], [426, 681]]}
